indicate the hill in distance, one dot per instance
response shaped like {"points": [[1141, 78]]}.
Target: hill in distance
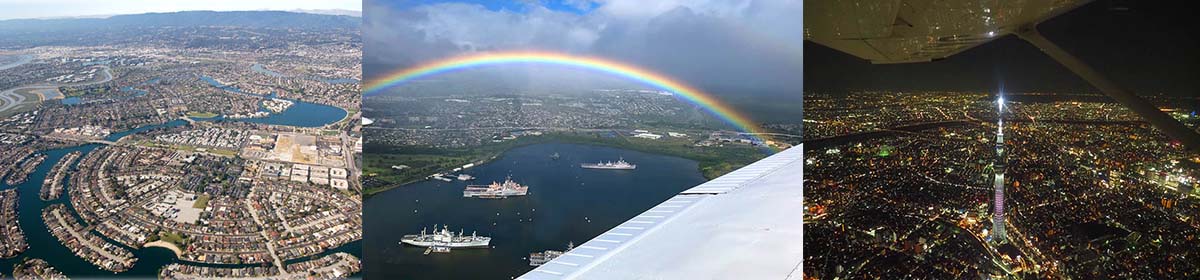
{"points": [[246, 19]]}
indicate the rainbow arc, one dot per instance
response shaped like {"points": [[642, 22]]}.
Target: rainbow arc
{"points": [[688, 93]]}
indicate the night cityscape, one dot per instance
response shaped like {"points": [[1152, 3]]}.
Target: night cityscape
{"points": [[997, 163]]}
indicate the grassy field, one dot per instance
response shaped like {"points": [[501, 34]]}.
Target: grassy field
{"points": [[201, 202], [202, 115], [713, 161], [174, 238], [32, 99]]}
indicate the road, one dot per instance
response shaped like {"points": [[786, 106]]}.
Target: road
{"points": [[270, 243], [9, 99]]}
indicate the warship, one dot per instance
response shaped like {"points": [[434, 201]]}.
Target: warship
{"points": [[620, 165], [496, 190], [538, 259]]}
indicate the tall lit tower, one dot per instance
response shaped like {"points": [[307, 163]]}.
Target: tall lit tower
{"points": [[999, 235]]}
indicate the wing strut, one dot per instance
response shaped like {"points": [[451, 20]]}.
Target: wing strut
{"points": [[1160, 120]]}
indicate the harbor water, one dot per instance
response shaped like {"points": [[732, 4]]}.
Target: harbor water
{"points": [[565, 203]]}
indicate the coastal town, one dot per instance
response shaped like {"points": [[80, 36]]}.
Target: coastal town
{"points": [[12, 238], [34, 269], [235, 150]]}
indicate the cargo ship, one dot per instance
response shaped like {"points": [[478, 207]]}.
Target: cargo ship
{"points": [[620, 165], [496, 190], [444, 239]]}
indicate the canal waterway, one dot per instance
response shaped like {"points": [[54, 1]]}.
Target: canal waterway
{"points": [[45, 246]]}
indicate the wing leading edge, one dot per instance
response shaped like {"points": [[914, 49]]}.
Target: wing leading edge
{"points": [[744, 225], [904, 31]]}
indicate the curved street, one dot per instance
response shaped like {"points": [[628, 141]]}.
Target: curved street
{"points": [[10, 99]]}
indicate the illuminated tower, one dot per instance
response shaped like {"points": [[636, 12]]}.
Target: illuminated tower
{"points": [[999, 235]]}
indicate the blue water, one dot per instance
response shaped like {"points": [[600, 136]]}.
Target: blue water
{"points": [[45, 246], [22, 59], [260, 69], [560, 196], [50, 93], [304, 114], [74, 100], [215, 83]]}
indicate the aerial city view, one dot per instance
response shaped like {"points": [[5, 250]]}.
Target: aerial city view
{"points": [[1007, 156], [500, 135], [181, 145]]}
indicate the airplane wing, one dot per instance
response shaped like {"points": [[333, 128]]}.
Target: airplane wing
{"points": [[744, 225], [903, 31]]}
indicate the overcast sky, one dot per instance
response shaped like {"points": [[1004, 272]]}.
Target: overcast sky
{"points": [[706, 43], [17, 9]]}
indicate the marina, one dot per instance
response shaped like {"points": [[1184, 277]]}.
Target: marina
{"points": [[276, 105]]}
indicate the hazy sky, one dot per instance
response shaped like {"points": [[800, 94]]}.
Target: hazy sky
{"points": [[749, 45], [14, 9]]}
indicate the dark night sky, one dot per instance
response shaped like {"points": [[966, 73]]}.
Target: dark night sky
{"points": [[1153, 47]]}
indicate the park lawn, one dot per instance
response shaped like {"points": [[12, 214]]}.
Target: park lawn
{"points": [[201, 202], [202, 115], [173, 238]]}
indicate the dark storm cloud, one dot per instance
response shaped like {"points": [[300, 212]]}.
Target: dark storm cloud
{"points": [[739, 45]]}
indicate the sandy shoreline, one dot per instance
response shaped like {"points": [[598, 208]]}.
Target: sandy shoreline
{"points": [[168, 245]]}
